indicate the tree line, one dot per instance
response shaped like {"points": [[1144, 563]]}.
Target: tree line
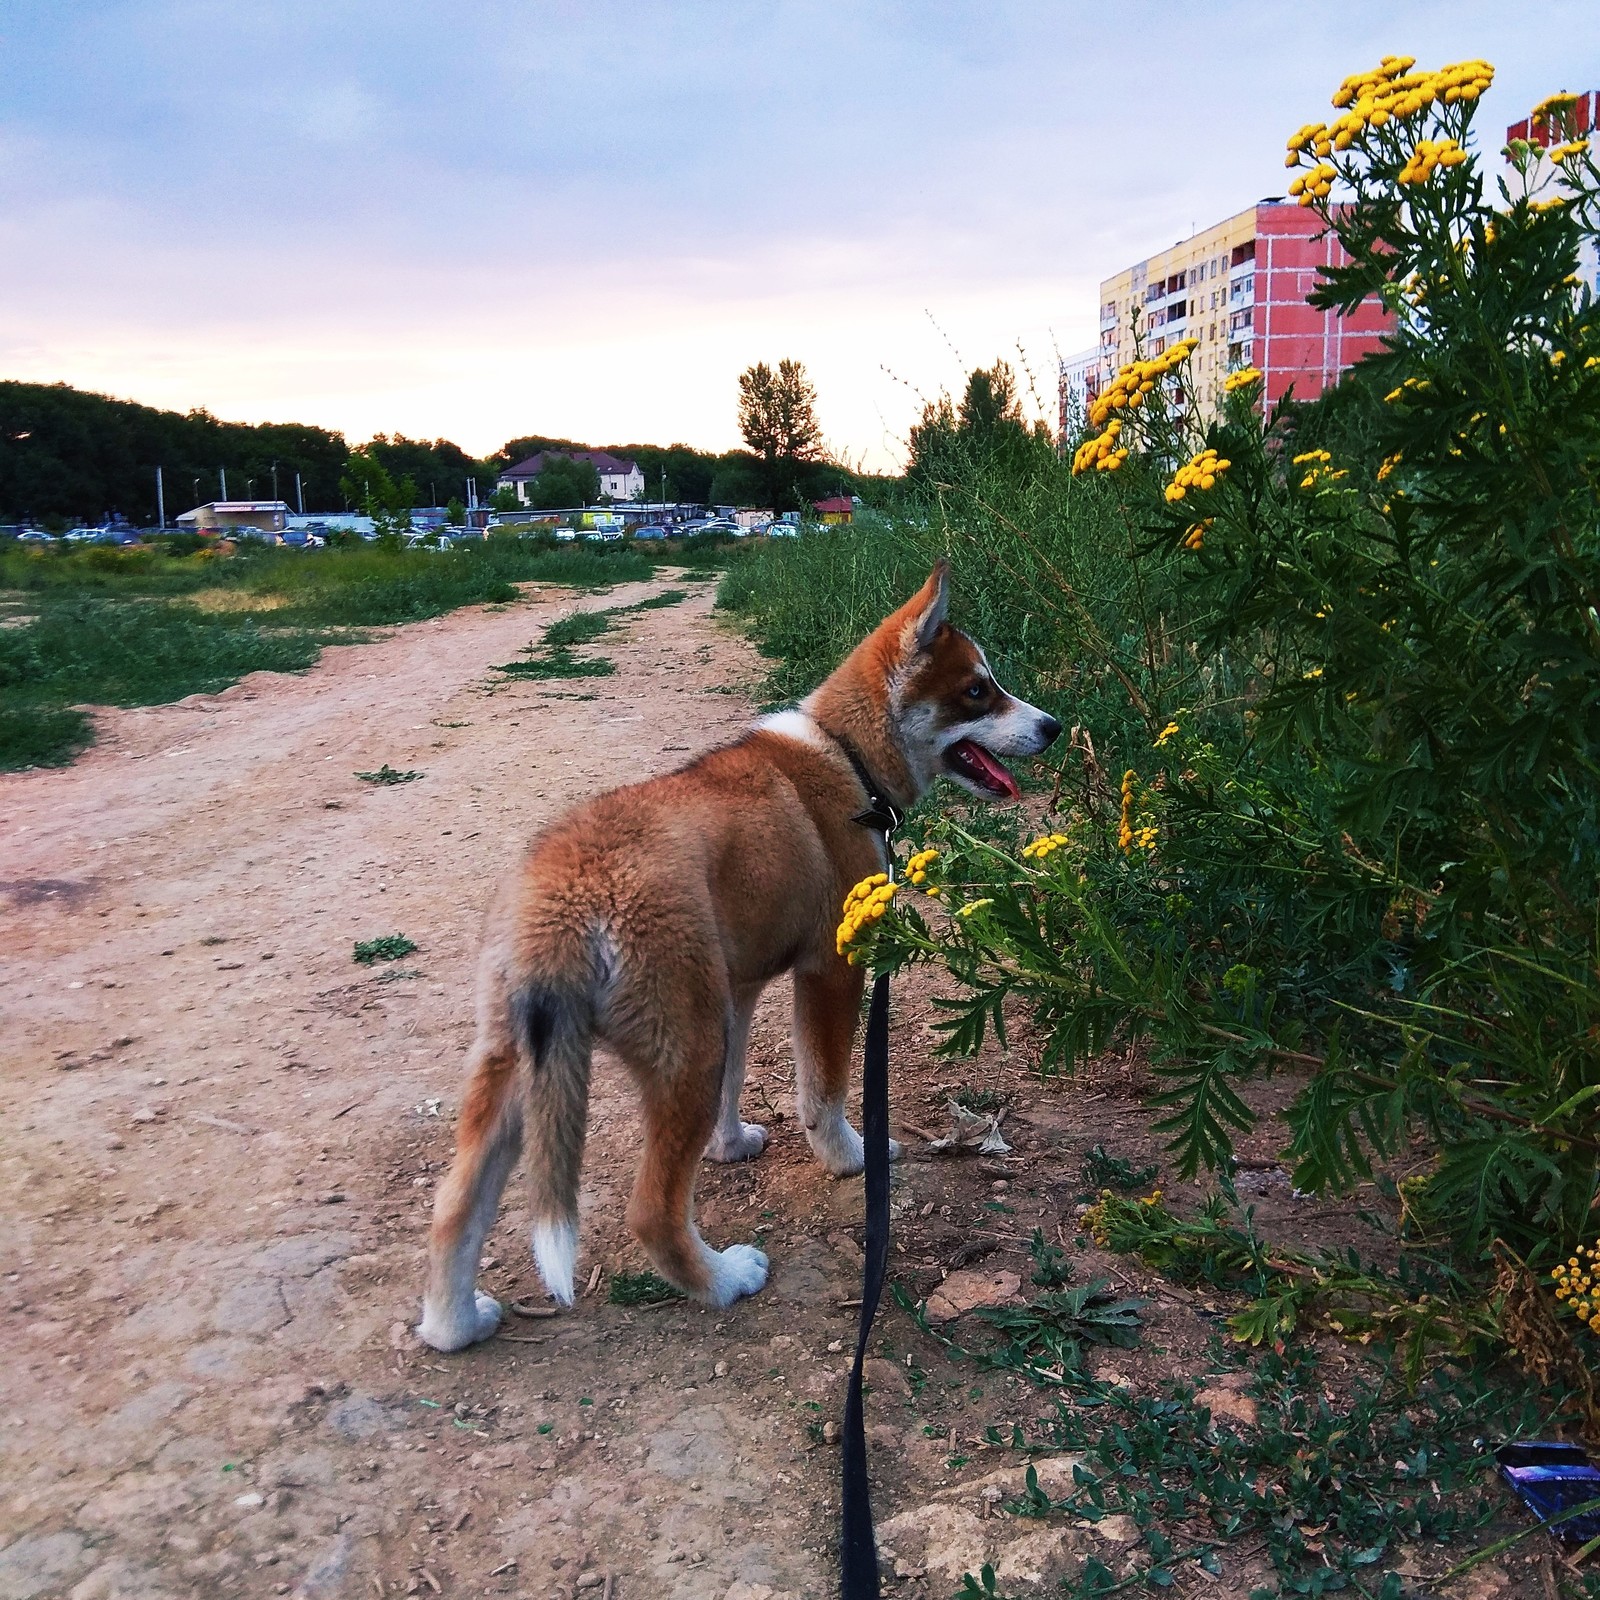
{"points": [[68, 455]]}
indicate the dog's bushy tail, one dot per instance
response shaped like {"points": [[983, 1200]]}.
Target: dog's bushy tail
{"points": [[554, 1032]]}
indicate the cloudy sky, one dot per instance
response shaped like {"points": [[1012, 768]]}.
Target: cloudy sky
{"points": [[481, 219]]}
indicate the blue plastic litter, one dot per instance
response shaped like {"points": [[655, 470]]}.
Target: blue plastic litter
{"points": [[1551, 1478]]}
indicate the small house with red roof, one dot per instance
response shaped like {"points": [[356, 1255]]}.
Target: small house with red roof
{"points": [[841, 508]]}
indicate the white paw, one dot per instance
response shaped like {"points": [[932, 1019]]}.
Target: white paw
{"points": [[456, 1328], [739, 1270], [837, 1145], [842, 1150], [750, 1140]]}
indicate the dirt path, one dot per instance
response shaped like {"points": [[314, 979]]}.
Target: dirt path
{"points": [[223, 1135], [221, 1141]]}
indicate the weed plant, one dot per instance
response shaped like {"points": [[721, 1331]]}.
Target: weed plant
{"points": [[1102, 1170]]}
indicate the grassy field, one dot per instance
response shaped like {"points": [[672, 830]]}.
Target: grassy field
{"points": [[102, 626]]}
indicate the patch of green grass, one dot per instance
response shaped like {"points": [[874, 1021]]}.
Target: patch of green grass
{"points": [[558, 664], [657, 602], [387, 775], [551, 656], [86, 649], [703, 550], [114, 627], [1333, 1486], [42, 736], [386, 947], [640, 1289], [580, 628]]}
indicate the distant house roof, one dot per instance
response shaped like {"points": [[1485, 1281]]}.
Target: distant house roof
{"points": [[840, 502], [244, 505], [603, 462]]}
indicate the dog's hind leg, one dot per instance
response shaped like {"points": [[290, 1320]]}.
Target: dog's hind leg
{"points": [[488, 1139], [732, 1139], [680, 1109], [826, 1004]]}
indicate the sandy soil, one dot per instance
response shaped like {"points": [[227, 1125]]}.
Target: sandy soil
{"points": [[222, 1136]]}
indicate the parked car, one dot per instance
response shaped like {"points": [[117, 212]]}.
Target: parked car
{"points": [[82, 535], [650, 530], [34, 536]]}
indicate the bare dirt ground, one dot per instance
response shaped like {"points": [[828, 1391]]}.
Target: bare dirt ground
{"points": [[221, 1138]]}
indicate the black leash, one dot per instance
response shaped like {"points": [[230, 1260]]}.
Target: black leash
{"points": [[858, 1544], [858, 1549]]}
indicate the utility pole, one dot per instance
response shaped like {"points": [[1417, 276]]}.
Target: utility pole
{"points": [[222, 474], [274, 480], [161, 502], [299, 494]]}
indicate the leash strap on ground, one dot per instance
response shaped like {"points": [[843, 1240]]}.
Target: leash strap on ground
{"points": [[858, 1555]]}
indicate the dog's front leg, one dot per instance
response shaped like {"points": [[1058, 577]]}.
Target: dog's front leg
{"points": [[734, 1140], [826, 1005]]}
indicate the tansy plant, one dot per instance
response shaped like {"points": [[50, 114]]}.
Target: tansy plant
{"points": [[1347, 822]]}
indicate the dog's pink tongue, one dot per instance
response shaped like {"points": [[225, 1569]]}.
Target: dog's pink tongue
{"points": [[986, 770]]}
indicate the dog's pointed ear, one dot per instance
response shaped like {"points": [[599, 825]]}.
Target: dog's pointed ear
{"points": [[930, 605]]}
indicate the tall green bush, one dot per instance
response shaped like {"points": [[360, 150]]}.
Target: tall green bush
{"points": [[1332, 808]]}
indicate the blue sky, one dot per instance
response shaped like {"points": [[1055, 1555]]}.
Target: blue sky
{"points": [[479, 220]]}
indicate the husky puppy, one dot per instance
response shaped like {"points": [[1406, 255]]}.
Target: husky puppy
{"points": [[651, 918]]}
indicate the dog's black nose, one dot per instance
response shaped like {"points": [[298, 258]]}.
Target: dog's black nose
{"points": [[1049, 729]]}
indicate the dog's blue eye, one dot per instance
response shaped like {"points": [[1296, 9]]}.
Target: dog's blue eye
{"points": [[976, 691]]}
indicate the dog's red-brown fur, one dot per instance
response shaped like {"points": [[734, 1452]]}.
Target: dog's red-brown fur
{"points": [[650, 919]]}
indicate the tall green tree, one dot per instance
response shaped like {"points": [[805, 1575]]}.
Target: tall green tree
{"points": [[563, 483], [778, 419], [370, 485], [985, 430], [438, 467]]}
